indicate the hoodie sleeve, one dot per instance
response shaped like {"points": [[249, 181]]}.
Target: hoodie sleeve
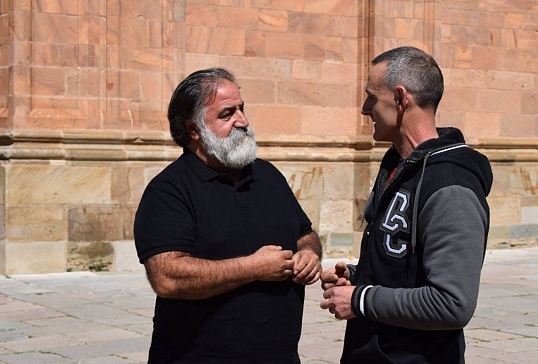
{"points": [[453, 228]]}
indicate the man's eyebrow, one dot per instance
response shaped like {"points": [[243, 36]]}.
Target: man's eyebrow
{"points": [[230, 108]]}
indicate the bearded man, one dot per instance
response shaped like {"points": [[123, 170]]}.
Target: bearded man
{"points": [[225, 244]]}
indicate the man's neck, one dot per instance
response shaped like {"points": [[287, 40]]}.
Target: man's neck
{"points": [[410, 142]]}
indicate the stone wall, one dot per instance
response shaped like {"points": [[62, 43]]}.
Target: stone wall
{"points": [[84, 87]]}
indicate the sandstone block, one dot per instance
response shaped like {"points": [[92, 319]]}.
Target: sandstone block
{"points": [[329, 121], [305, 181], [35, 184], [311, 209], [35, 257], [260, 68], [51, 28], [336, 216], [201, 15], [49, 81], [501, 101], [283, 45], [482, 124], [278, 4], [198, 61], [125, 258], [499, 233], [311, 24], [529, 102], [255, 44], [518, 125], [201, 39], [506, 80], [97, 223], [338, 181], [277, 120], [338, 72], [314, 48], [306, 70], [314, 94], [333, 50], [337, 7], [128, 184], [2, 224], [257, 91], [505, 211], [36, 223], [459, 99], [272, 20], [529, 215]]}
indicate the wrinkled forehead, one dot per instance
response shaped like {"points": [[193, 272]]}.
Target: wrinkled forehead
{"points": [[227, 94], [217, 88]]}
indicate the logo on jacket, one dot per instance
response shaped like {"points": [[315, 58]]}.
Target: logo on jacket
{"points": [[394, 222]]}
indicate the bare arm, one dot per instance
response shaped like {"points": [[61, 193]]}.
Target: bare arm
{"points": [[178, 275], [307, 260]]}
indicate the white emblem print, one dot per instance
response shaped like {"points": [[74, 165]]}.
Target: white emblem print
{"points": [[395, 221]]}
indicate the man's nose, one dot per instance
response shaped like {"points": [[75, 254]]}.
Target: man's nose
{"points": [[365, 110], [367, 107], [241, 120]]}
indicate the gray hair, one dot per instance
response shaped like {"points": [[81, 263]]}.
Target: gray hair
{"points": [[190, 98], [415, 70]]}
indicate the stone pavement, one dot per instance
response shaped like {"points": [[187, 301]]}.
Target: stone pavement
{"points": [[105, 318]]}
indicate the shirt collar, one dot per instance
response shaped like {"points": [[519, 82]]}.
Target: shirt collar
{"points": [[206, 173]]}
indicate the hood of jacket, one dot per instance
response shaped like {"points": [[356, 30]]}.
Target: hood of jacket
{"points": [[450, 147]]}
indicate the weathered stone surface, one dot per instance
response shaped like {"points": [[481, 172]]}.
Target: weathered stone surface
{"points": [[125, 258], [35, 257], [96, 223], [36, 184], [75, 67], [336, 216], [36, 223]]}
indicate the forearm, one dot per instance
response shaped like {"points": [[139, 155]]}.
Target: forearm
{"points": [[311, 242], [180, 276]]}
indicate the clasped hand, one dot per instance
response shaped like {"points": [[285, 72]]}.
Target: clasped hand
{"points": [[337, 291], [275, 264]]}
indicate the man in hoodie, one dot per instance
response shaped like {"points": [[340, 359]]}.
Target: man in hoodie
{"points": [[225, 243], [416, 283]]}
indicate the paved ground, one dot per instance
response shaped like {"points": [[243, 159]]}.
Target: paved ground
{"points": [[105, 318]]}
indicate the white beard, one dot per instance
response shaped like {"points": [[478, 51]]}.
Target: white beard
{"points": [[234, 151]]}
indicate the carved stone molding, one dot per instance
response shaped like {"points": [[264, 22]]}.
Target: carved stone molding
{"points": [[155, 146]]}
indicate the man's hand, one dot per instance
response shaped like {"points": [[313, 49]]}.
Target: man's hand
{"points": [[338, 301], [307, 268], [271, 263], [337, 276]]}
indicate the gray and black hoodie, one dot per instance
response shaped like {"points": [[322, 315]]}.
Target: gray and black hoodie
{"points": [[421, 255]]}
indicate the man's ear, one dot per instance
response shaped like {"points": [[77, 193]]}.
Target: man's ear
{"points": [[400, 97], [192, 129]]}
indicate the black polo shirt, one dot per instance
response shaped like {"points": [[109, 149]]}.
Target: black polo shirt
{"points": [[190, 207]]}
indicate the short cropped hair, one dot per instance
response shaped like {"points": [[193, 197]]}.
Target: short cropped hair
{"points": [[415, 70], [190, 98]]}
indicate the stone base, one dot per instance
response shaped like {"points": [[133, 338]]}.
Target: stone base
{"points": [[33, 257], [125, 258]]}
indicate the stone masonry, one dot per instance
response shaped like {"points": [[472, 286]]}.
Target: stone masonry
{"points": [[85, 84]]}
